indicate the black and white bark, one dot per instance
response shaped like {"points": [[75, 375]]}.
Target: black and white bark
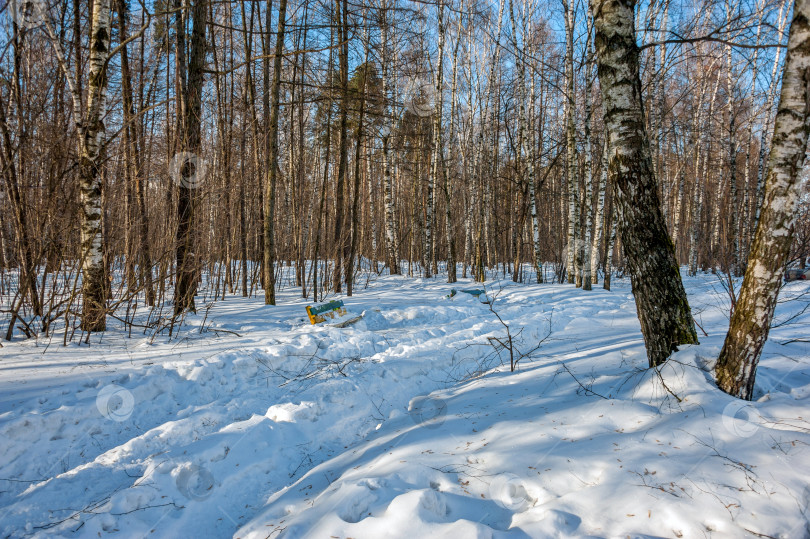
{"points": [[771, 98], [571, 144], [732, 156], [751, 320], [746, 205], [663, 309], [526, 147], [700, 180], [91, 144], [439, 167], [610, 241], [588, 202], [600, 213], [388, 187]]}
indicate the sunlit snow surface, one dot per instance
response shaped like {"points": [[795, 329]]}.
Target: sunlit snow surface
{"points": [[406, 424]]}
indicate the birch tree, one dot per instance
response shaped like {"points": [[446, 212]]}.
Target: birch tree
{"points": [[571, 141], [438, 147], [600, 212], [91, 140], [588, 205], [520, 42], [750, 323], [388, 187], [663, 310], [512, 171], [91, 145]]}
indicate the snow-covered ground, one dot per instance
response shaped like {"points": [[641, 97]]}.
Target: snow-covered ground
{"points": [[253, 423]]}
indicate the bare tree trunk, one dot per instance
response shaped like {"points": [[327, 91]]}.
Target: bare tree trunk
{"points": [[700, 183], [745, 226], [391, 242], [355, 231], [427, 255], [525, 143], [613, 220], [478, 167], [372, 212], [663, 310], [662, 171], [697, 211], [187, 269], [322, 199], [676, 225], [732, 159], [301, 173], [140, 182], [588, 205], [269, 263], [438, 151], [571, 142], [600, 211], [243, 254], [341, 21], [25, 251], [751, 320], [763, 147], [91, 145]]}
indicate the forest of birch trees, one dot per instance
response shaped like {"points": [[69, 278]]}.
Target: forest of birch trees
{"points": [[157, 152]]}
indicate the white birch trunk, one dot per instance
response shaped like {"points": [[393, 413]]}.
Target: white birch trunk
{"points": [[751, 320], [763, 147], [571, 144], [746, 206], [91, 144], [600, 210], [388, 194], [588, 205], [661, 303]]}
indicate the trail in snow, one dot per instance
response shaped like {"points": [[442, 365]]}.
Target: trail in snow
{"points": [[295, 430]]}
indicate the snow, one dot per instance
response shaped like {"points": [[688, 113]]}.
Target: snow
{"points": [[253, 423]]}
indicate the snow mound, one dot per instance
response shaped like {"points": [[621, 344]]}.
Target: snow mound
{"points": [[408, 424]]}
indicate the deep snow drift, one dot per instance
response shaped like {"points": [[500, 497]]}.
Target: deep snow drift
{"points": [[253, 423]]}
